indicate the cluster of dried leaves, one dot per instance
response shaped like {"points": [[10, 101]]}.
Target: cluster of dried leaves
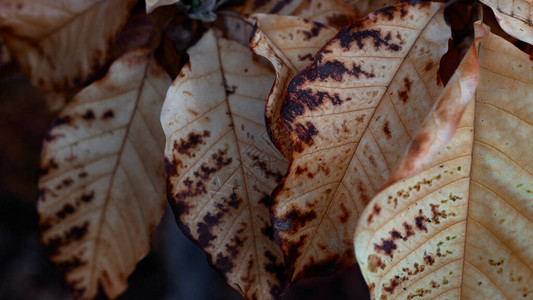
{"points": [[293, 149]]}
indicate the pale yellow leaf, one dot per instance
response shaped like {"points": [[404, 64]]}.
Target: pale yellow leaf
{"points": [[289, 43], [515, 17], [101, 185], [463, 227], [350, 115], [61, 44], [221, 166]]}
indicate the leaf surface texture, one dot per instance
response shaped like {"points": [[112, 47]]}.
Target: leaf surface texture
{"points": [[462, 227], [101, 184], [221, 166], [349, 116]]}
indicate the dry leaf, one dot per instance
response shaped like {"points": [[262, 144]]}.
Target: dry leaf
{"points": [[349, 116], [61, 44], [290, 44], [101, 185], [462, 228], [365, 7], [515, 17], [334, 13], [221, 165]]}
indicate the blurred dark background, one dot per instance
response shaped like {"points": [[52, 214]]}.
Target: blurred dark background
{"points": [[175, 269]]}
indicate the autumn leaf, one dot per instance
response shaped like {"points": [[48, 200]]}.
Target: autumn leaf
{"points": [[366, 7], [349, 116], [289, 43], [336, 13], [61, 44], [101, 185], [463, 226], [221, 167], [515, 17]]}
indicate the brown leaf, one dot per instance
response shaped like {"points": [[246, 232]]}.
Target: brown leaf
{"points": [[61, 44], [221, 166], [336, 13], [366, 7], [462, 227], [290, 44], [515, 17], [350, 115], [101, 185]]}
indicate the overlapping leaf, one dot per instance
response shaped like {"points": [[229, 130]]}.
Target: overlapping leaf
{"points": [[221, 166], [289, 43], [462, 227], [515, 17], [335, 13], [61, 44], [350, 115], [365, 7], [101, 179]]}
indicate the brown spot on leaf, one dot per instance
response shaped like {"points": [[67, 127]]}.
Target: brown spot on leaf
{"points": [[375, 212], [429, 65], [404, 95], [428, 259], [65, 211], [352, 34], [87, 197], [345, 213], [89, 115], [408, 231], [386, 130], [420, 221], [306, 132], [314, 31], [186, 147], [109, 114]]}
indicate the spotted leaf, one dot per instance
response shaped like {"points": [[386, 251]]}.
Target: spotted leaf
{"points": [[350, 115], [462, 227], [61, 44], [101, 184], [515, 17], [221, 167], [289, 43]]}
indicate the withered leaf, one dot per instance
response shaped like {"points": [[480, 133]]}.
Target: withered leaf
{"points": [[101, 184], [336, 13], [290, 44], [350, 115], [61, 44], [365, 7], [462, 227], [515, 17], [221, 167]]}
